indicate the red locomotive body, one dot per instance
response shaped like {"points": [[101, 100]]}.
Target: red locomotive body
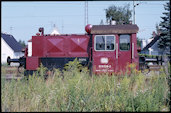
{"points": [[60, 46], [105, 48], [55, 51]]}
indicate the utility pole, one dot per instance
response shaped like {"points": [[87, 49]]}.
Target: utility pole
{"points": [[134, 5], [134, 11], [86, 13]]}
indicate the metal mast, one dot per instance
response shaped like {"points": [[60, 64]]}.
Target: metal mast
{"points": [[86, 13], [134, 11]]}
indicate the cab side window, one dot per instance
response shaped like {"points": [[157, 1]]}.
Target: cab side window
{"points": [[109, 42], [104, 42], [124, 42], [100, 42]]}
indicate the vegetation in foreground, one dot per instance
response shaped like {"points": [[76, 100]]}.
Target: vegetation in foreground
{"points": [[77, 91]]}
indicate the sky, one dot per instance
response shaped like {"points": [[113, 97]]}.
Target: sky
{"points": [[23, 19]]}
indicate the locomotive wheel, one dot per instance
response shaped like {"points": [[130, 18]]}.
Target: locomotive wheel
{"points": [[20, 69], [145, 69]]}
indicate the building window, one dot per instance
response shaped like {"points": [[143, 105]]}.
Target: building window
{"points": [[104, 42], [124, 42]]}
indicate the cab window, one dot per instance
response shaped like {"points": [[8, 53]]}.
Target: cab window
{"points": [[100, 42], [104, 42], [109, 42], [124, 42]]}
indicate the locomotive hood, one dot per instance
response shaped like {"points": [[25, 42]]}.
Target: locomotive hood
{"points": [[112, 29]]}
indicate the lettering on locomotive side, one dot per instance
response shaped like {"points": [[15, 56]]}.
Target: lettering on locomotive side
{"points": [[104, 70], [105, 66], [82, 59]]}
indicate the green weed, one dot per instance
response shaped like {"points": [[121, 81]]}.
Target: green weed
{"points": [[77, 91]]}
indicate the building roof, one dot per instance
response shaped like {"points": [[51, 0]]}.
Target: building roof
{"points": [[151, 43], [30, 40], [55, 32], [11, 41], [112, 29]]}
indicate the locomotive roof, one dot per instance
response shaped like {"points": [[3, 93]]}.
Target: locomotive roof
{"points": [[114, 29]]}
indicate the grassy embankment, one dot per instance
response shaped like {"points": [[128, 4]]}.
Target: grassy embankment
{"points": [[78, 91]]}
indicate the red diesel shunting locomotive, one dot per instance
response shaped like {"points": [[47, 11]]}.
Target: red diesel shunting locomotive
{"points": [[105, 48]]}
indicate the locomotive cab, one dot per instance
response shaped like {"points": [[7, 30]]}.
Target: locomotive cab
{"points": [[114, 48]]}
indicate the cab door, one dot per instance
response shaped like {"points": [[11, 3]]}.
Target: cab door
{"points": [[124, 51], [104, 53]]}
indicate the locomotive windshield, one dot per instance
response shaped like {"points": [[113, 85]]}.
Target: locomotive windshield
{"points": [[104, 42]]}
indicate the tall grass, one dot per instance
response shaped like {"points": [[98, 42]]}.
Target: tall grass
{"points": [[72, 90]]}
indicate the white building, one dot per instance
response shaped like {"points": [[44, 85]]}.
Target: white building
{"points": [[151, 46], [145, 42], [10, 47], [30, 47], [55, 31]]}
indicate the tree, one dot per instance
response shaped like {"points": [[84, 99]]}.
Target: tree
{"points": [[165, 40], [101, 22], [22, 43], [119, 14], [139, 41]]}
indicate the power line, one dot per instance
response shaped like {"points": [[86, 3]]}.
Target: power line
{"points": [[81, 3], [73, 16]]}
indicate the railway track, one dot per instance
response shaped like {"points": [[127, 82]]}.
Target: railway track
{"points": [[11, 73], [154, 67], [11, 76]]}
